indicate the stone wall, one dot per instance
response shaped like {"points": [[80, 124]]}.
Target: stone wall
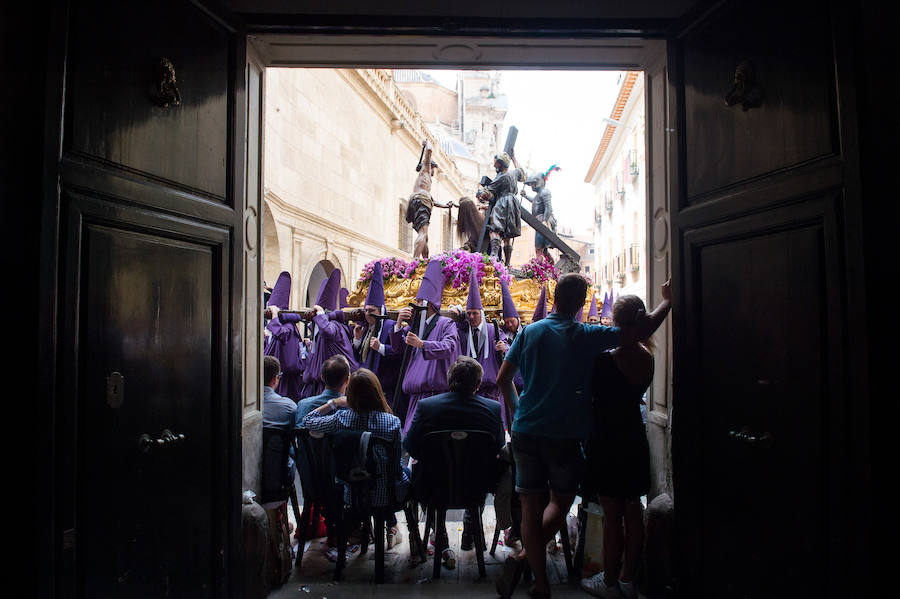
{"points": [[341, 146]]}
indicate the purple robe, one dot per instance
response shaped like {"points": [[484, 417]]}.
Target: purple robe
{"points": [[386, 367], [490, 364], [284, 344], [332, 338], [508, 338], [426, 374]]}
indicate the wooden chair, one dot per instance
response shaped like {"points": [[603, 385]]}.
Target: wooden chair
{"points": [[457, 469]]}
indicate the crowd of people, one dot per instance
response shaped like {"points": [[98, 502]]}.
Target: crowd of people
{"points": [[564, 395]]}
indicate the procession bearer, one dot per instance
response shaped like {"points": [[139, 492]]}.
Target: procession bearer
{"points": [[512, 326], [372, 337], [430, 339], [330, 335], [480, 340], [283, 341]]}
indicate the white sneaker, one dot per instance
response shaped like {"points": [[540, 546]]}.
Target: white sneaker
{"points": [[628, 590], [596, 585]]}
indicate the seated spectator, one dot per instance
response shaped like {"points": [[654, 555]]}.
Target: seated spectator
{"points": [[277, 411], [335, 376], [458, 409], [367, 411]]}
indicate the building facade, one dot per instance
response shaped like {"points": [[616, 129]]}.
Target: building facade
{"points": [[617, 173], [341, 146]]}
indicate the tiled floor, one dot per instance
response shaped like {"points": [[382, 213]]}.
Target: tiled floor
{"points": [[314, 580]]}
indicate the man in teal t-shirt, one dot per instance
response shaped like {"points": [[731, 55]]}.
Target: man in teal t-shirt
{"points": [[556, 356]]}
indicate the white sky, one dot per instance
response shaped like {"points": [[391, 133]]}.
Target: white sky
{"points": [[559, 115]]}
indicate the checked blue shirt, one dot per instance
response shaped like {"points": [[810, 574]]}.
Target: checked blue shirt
{"points": [[380, 424]]}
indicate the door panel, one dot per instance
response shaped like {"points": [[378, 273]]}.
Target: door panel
{"points": [[765, 334], [789, 46], [146, 314], [144, 318], [113, 73], [658, 252], [760, 350], [150, 298]]}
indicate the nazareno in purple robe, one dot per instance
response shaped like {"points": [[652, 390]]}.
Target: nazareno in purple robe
{"points": [[284, 344], [426, 374], [386, 367], [490, 364], [332, 338], [508, 338]]}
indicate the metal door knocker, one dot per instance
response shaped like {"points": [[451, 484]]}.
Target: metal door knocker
{"points": [[746, 91], [166, 92]]}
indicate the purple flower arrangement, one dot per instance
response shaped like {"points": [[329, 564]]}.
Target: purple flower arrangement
{"points": [[390, 267], [457, 264], [541, 269]]}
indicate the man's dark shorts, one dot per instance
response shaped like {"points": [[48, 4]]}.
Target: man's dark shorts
{"points": [[418, 211], [543, 461]]}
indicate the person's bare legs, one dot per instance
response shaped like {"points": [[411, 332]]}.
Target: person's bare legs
{"points": [[634, 537], [421, 244], [613, 539], [540, 521]]}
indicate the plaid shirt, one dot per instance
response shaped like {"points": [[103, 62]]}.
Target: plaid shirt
{"points": [[380, 424]]}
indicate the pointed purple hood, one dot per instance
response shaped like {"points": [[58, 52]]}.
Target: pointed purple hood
{"points": [[593, 309], [474, 300], [375, 294], [281, 294], [606, 312], [579, 315], [540, 311], [509, 308], [328, 293], [342, 297], [432, 287]]}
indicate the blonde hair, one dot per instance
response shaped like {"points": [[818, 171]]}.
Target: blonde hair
{"points": [[624, 313]]}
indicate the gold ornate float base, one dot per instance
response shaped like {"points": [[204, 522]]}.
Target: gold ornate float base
{"points": [[398, 293]]}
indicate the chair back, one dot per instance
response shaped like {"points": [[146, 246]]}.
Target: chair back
{"points": [[358, 467], [456, 468], [277, 477], [315, 465]]}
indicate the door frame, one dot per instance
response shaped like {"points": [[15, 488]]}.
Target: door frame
{"points": [[556, 38]]}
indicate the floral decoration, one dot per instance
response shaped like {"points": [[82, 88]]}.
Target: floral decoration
{"points": [[457, 264], [390, 267], [541, 269]]}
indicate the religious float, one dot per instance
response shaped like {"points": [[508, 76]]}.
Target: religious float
{"points": [[403, 277]]}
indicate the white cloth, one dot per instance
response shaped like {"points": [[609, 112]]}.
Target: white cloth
{"points": [[482, 336]]}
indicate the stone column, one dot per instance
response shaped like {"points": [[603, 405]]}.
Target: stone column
{"points": [[298, 291]]}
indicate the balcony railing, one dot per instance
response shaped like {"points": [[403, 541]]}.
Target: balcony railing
{"points": [[634, 169], [609, 205]]}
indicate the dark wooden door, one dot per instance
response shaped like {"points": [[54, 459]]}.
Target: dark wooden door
{"points": [[149, 289], [765, 224]]}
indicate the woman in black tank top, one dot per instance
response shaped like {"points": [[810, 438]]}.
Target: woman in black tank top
{"points": [[618, 456]]}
